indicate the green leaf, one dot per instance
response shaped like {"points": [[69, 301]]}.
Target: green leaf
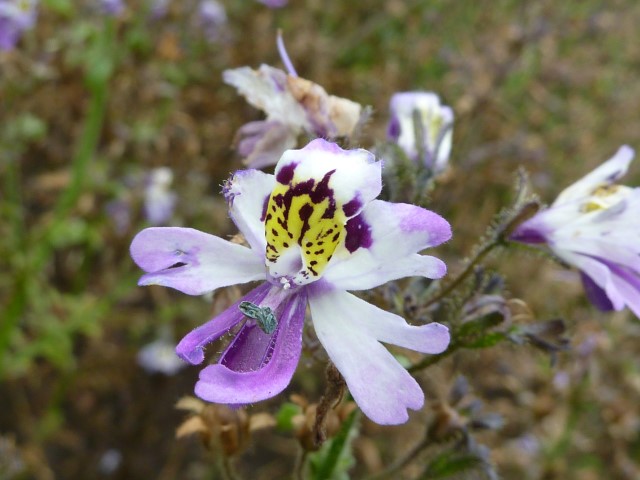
{"points": [[61, 7], [335, 458], [448, 464], [486, 341], [284, 417], [480, 325]]}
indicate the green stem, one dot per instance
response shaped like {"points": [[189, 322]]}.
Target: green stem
{"points": [[433, 359], [301, 463], [477, 258], [85, 151], [226, 468], [395, 468]]}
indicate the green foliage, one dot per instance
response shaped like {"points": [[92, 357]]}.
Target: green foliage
{"points": [[61, 7], [284, 417], [335, 458], [449, 464]]}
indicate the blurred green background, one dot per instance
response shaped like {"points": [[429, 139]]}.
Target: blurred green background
{"points": [[90, 103]]}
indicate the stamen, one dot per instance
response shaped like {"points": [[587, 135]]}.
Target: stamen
{"points": [[284, 56]]}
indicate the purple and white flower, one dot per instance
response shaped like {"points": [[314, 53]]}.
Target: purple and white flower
{"points": [[112, 7], [315, 230], [293, 105], [595, 225], [16, 16], [159, 357], [159, 200], [212, 17], [436, 124]]}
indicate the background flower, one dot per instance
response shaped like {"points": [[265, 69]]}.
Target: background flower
{"points": [[595, 225], [293, 105], [422, 127], [16, 16]]}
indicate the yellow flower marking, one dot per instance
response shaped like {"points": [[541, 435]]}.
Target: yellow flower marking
{"points": [[303, 214], [605, 196]]}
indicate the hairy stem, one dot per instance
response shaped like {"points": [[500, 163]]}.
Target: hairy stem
{"points": [[301, 463], [396, 467], [477, 258], [334, 392]]}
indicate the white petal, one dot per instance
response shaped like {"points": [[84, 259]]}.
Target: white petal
{"points": [[629, 288], [350, 330], [357, 175], [192, 261], [267, 90], [393, 233], [606, 174], [363, 271], [599, 273], [247, 194]]}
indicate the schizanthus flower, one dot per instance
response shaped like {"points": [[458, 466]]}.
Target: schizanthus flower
{"points": [[293, 105], [595, 225], [159, 200], [16, 16], [422, 127], [315, 230], [112, 7], [159, 357], [212, 17]]}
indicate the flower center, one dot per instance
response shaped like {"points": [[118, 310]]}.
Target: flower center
{"points": [[605, 196], [303, 227]]}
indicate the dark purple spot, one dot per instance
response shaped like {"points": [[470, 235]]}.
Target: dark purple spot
{"points": [[358, 234], [351, 208], [614, 176], [596, 294], [285, 244], [265, 205], [323, 191], [177, 265], [274, 232], [394, 128], [285, 175], [269, 217], [319, 252], [313, 262], [305, 213], [528, 235], [283, 223]]}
